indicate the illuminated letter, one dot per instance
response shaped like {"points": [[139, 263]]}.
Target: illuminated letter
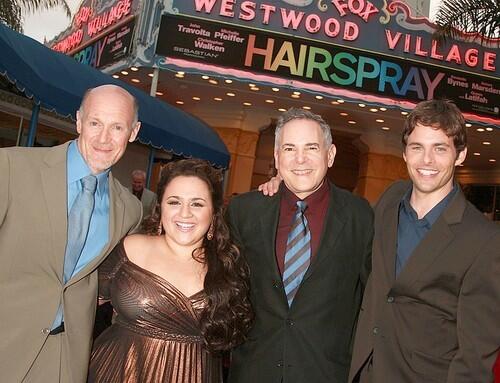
{"points": [[392, 41], [386, 78], [471, 57], [362, 73], [431, 85], [489, 61], [267, 52], [291, 17], [247, 11], [226, 8], [337, 63], [286, 50], [207, 4], [418, 47], [340, 7], [317, 23], [351, 31], [336, 27], [410, 85], [267, 12], [454, 54], [370, 8], [434, 53], [321, 66]]}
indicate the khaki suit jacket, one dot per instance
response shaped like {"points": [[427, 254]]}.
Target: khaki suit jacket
{"points": [[148, 200], [33, 227], [438, 320], [311, 341]]}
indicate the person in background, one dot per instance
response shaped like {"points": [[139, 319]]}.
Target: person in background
{"points": [[308, 248], [146, 196], [61, 213], [180, 291]]}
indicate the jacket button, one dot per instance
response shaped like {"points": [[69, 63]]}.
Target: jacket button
{"points": [[46, 331], [390, 299], [290, 322], [279, 364], [276, 284], [375, 330]]}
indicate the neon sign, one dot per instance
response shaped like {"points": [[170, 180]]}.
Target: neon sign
{"points": [[90, 25]]}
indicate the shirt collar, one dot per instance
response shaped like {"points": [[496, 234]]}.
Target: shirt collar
{"points": [[312, 199], [78, 168], [434, 213]]}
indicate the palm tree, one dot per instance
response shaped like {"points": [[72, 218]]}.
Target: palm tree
{"points": [[12, 11], [470, 16]]}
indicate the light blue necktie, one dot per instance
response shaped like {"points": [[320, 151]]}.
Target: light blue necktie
{"points": [[78, 224], [297, 253]]}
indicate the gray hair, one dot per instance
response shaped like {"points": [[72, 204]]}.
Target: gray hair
{"points": [[139, 173], [301, 114], [134, 103]]}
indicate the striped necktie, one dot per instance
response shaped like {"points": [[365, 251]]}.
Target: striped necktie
{"points": [[298, 252]]}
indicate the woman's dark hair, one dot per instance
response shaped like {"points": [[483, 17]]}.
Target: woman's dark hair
{"points": [[228, 314]]}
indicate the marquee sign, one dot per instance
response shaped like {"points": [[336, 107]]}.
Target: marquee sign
{"points": [[335, 65]]}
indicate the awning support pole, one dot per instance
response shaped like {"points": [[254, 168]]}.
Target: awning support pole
{"points": [[150, 166], [33, 123]]}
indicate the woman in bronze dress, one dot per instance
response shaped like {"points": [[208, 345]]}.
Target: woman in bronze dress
{"points": [[180, 292]]}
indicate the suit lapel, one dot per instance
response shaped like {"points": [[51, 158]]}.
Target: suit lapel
{"points": [[389, 238], [434, 243], [55, 191], [269, 220], [116, 217], [335, 220]]}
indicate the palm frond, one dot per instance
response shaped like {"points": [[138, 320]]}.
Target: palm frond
{"points": [[469, 16]]}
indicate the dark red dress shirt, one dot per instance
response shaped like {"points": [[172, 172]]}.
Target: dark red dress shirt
{"points": [[317, 205]]}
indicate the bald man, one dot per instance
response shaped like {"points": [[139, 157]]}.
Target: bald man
{"points": [[49, 252]]}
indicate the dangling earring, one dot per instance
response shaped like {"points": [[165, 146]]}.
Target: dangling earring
{"points": [[160, 229], [210, 233]]}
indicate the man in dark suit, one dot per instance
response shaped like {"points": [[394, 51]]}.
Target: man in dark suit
{"points": [[430, 310], [61, 213], [308, 248]]}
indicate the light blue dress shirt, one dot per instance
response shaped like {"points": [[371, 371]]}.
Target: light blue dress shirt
{"points": [[98, 234]]}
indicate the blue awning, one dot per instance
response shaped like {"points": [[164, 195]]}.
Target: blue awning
{"points": [[57, 82]]}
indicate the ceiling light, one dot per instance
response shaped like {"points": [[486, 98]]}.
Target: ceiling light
{"points": [[486, 143], [275, 89], [124, 72], [230, 94], [134, 69], [467, 125], [181, 73], [205, 77], [295, 96], [361, 105], [351, 122], [340, 101], [344, 114], [334, 102], [489, 129], [247, 103], [116, 76], [217, 99], [404, 113], [385, 128], [151, 74], [228, 81], [252, 85], [318, 97], [480, 129], [196, 98], [136, 80], [212, 81], [373, 110], [255, 88], [379, 120], [270, 101], [306, 107], [477, 153], [281, 110], [159, 93], [297, 93], [180, 102], [178, 75], [382, 109], [492, 160]]}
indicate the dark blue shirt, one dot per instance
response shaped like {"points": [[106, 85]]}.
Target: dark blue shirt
{"points": [[412, 230]]}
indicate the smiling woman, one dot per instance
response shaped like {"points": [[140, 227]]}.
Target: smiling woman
{"points": [[180, 291]]}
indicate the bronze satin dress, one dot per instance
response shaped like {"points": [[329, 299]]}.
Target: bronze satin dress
{"points": [[156, 337]]}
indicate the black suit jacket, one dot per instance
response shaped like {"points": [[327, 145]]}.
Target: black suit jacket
{"points": [[311, 341]]}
